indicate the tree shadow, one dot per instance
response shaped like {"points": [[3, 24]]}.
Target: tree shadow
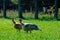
{"points": [[40, 19]]}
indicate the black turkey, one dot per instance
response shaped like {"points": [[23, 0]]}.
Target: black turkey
{"points": [[28, 27]]}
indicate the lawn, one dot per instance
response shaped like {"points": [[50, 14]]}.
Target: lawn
{"points": [[50, 30]]}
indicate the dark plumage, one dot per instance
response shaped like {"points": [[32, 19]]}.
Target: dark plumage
{"points": [[17, 25], [30, 27], [25, 26]]}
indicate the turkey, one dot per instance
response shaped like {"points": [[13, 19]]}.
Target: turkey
{"points": [[28, 26], [17, 25]]}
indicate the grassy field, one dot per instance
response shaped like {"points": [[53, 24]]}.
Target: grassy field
{"points": [[50, 30]]}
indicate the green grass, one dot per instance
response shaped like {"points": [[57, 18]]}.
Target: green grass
{"points": [[50, 30]]}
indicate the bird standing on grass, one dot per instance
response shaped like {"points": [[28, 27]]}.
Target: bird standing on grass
{"points": [[17, 25], [28, 26]]}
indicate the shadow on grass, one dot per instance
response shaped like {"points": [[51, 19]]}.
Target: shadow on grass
{"points": [[5, 17], [41, 19]]}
